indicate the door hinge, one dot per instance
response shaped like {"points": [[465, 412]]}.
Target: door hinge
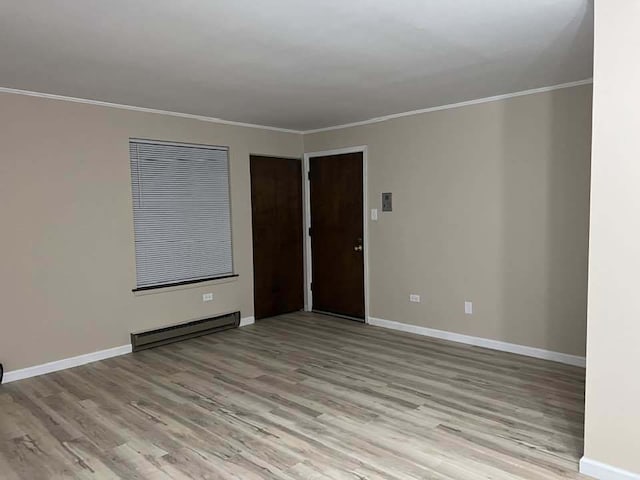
{"points": [[309, 231], [311, 286], [309, 174]]}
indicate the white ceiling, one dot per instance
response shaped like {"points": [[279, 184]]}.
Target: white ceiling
{"points": [[295, 64]]}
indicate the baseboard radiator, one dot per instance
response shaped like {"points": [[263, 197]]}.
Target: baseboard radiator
{"points": [[183, 331]]}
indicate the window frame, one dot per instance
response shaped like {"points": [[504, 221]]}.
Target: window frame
{"points": [[179, 283]]}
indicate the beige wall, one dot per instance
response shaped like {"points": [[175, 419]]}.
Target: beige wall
{"points": [[491, 205], [68, 263], [612, 427]]}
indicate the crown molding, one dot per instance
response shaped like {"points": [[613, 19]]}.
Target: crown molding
{"points": [[452, 105], [302, 132], [145, 110]]}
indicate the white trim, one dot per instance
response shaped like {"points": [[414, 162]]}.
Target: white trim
{"points": [[71, 362], [144, 109], [384, 118], [308, 299], [481, 342], [452, 105], [65, 363], [602, 471]]}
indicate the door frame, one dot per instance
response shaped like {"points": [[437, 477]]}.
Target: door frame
{"points": [[306, 195]]}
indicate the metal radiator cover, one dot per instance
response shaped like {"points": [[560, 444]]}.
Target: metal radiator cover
{"points": [[183, 331]]}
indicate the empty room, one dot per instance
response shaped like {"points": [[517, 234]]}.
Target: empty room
{"points": [[355, 240]]}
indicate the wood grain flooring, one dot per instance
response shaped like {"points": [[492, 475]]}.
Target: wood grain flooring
{"points": [[301, 396]]}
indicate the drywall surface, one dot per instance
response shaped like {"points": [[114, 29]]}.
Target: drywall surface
{"points": [[613, 356], [490, 205], [68, 262]]}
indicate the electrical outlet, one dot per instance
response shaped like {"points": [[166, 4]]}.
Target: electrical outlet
{"points": [[414, 298], [207, 297], [374, 214], [468, 308]]}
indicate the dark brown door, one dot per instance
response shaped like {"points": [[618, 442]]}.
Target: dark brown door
{"points": [[276, 205], [337, 231]]}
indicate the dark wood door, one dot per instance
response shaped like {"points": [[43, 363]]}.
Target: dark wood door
{"points": [[276, 205], [337, 231]]}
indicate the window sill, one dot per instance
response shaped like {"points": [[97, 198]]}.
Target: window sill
{"points": [[184, 286]]}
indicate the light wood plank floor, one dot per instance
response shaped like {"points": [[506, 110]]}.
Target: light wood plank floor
{"points": [[301, 396]]}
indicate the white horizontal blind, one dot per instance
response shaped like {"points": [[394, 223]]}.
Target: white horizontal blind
{"points": [[181, 212]]}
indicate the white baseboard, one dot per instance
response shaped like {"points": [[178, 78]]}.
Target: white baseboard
{"points": [[481, 342], [65, 363], [602, 471]]}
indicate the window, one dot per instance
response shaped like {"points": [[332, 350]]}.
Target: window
{"points": [[181, 213]]}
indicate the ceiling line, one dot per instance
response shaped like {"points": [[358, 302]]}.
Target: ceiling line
{"points": [[287, 130], [466, 103], [100, 103]]}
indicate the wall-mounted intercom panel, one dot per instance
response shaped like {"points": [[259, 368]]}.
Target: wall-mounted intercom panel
{"points": [[386, 202]]}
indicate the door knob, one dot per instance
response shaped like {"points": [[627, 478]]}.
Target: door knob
{"points": [[358, 248]]}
